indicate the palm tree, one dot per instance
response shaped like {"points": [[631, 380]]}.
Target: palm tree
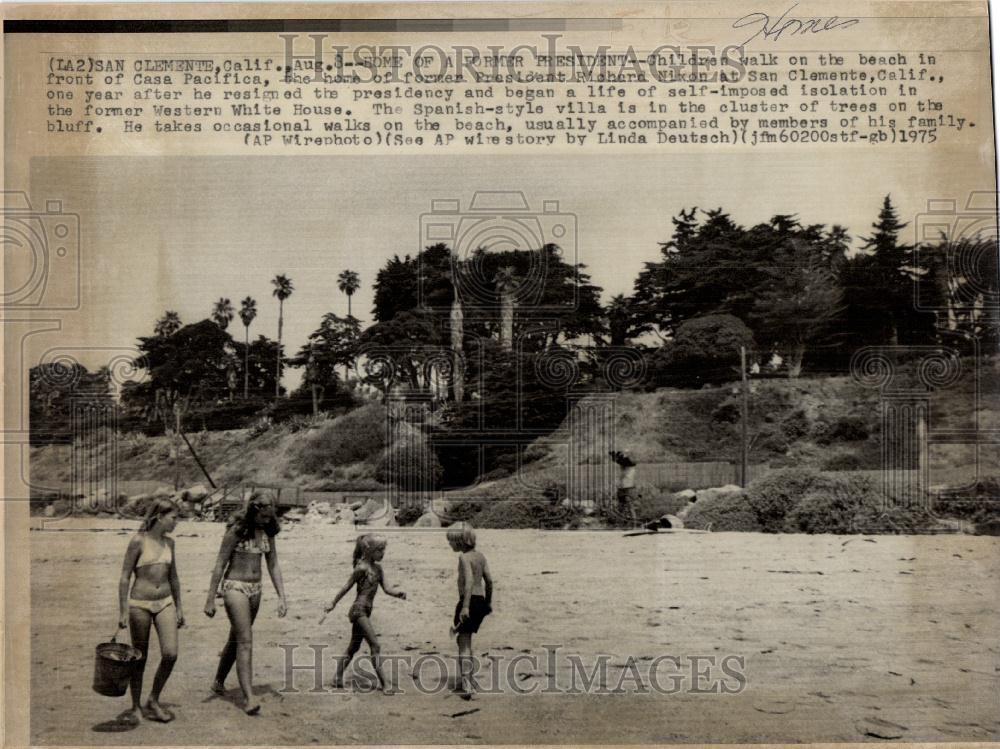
{"points": [[222, 313], [457, 329], [282, 290], [348, 282], [248, 311], [507, 284], [167, 325]]}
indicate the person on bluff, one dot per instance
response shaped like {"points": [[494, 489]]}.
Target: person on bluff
{"points": [[626, 484]]}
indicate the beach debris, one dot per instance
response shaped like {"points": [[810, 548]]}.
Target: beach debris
{"points": [[428, 520], [797, 572], [714, 493], [375, 513], [460, 713], [196, 493], [880, 729], [778, 708]]}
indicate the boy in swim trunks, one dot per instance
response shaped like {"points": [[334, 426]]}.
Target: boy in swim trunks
{"points": [[475, 599]]}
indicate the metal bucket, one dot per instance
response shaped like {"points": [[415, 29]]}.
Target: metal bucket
{"points": [[114, 663]]}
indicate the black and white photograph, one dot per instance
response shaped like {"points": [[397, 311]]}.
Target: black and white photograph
{"points": [[620, 395]]}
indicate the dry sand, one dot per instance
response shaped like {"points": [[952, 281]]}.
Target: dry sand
{"points": [[846, 638]]}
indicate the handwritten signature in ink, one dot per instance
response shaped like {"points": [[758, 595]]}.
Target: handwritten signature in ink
{"points": [[773, 29]]}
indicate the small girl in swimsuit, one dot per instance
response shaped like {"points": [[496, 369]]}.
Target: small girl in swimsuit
{"points": [[368, 576], [155, 598], [475, 598], [249, 537]]}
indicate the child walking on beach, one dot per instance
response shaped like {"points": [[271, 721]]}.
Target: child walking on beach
{"points": [[154, 600], [236, 579], [475, 598], [367, 576]]}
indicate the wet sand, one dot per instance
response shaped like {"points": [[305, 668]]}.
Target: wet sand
{"points": [[844, 638]]}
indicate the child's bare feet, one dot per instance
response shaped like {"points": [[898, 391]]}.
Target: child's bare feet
{"points": [[131, 718], [464, 690], [218, 688], [250, 706], [157, 712]]}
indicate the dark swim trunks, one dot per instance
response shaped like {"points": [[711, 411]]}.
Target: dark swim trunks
{"points": [[478, 610]]}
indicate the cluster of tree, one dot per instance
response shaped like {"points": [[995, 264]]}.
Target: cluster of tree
{"points": [[493, 334], [531, 300], [799, 294], [55, 390], [199, 369]]}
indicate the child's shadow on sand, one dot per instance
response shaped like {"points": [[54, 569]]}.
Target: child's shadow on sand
{"points": [[235, 695], [122, 722], [116, 725]]}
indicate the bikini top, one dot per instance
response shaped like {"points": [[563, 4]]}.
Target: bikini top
{"points": [[154, 554], [256, 544]]}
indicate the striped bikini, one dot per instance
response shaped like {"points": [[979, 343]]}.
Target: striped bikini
{"points": [[256, 544]]}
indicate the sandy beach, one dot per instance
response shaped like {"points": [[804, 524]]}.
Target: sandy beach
{"points": [[843, 638]]}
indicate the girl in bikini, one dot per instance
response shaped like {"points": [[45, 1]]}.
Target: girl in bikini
{"points": [[367, 576], [250, 536], [154, 598]]}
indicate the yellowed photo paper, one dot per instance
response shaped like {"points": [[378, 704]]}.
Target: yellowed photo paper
{"points": [[438, 373]]}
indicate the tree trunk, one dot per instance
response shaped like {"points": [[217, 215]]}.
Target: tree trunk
{"points": [[457, 335], [177, 445], [349, 305], [315, 402], [246, 366], [744, 420], [506, 319], [795, 357], [277, 380], [993, 320], [411, 375]]}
